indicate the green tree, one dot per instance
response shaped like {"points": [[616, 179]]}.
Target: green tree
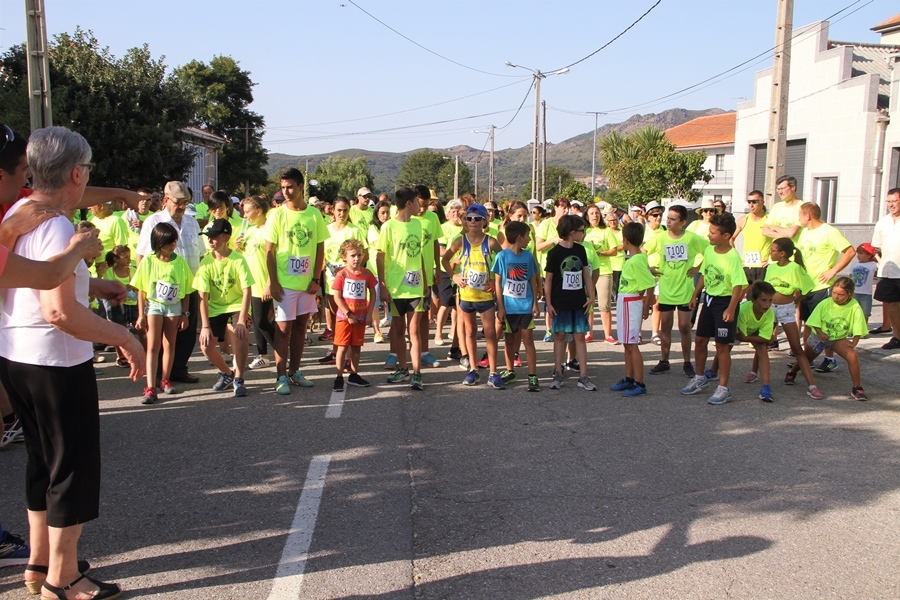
{"points": [[447, 175], [645, 166], [127, 108], [342, 176], [577, 190], [436, 170], [558, 179], [222, 91]]}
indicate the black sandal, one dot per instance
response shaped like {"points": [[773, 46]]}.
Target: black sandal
{"points": [[105, 591], [34, 587]]}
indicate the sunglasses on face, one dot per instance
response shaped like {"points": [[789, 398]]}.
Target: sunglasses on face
{"points": [[708, 210], [753, 201], [474, 218]]}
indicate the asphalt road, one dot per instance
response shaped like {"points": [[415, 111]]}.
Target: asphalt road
{"points": [[460, 492]]}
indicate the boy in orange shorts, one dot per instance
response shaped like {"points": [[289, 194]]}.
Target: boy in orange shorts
{"points": [[354, 290]]}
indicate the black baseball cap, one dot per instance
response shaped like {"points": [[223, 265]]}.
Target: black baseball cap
{"points": [[218, 227]]}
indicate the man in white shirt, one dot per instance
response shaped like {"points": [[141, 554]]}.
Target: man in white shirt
{"points": [[191, 247], [886, 238]]}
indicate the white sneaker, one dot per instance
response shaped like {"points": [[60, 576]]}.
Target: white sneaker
{"points": [[258, 363], [697, 383]]}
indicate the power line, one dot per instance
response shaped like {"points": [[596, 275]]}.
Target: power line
{"points": [[441, 56], [528, 93], [623, 32]]}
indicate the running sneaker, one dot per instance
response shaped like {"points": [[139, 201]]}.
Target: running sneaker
{"points": [[391, 362], [378, 338], [789, 378], [533, 385], [611, 340], [507, 376], [517, 362], [398, 376], [814, 393], [355, 380], [765, 394], [428, 360], [750, 377], [338, 384], [13, 550], [297, 378], [688, 370], [827, 365], [484, 362], [857, 393], [661, 367], [589, 337], [438, 342], [123, 363], [15, 433], [385, 322], [328, 359], [455, 353], [773, 346], [149, 396], [240, 390], [223, 383], [585, 382], [472, 377], [697, 383], [621, 385], [557, 380], [167, 387], [573, 365], [656, 339], [259, 362], [721, 396], [548, 337], [282, 387], [710, 375], [326, 335], [495, 381], [636, 389], [416, 381], [464, 363]]}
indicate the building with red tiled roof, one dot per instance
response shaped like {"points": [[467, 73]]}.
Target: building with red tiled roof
{"points": [[715, 136]]}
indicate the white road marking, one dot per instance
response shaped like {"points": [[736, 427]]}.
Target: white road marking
{"points": [[336, 404], [289, 576]]}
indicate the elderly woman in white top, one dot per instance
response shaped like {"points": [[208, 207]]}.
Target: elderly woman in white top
{"points": [[46, 367]]}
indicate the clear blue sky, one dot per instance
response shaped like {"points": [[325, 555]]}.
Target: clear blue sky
{"points": [[320, 61]]}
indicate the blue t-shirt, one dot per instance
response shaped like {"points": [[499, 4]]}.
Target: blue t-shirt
{"points": [[516, 272]]}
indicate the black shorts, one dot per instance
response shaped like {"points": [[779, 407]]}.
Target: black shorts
{"points": [[404, 306], [447, 292], [711, 323], [755, 274], [671, 307], [810, 301], [60, 413], [219, 324], [887, 290], [515, 323]]}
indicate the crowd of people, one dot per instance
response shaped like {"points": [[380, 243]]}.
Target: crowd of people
{"points": [[156, 272]]}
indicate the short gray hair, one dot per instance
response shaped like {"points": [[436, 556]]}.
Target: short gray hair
{"points": [[52, 154], [455, 203]]}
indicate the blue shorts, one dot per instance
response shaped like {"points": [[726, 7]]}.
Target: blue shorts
{"points": [[479, 307], [570, 321]]}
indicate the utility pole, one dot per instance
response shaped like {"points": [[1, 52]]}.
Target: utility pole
{"points": [[456, 179], [38, 60], [476, 179], [544, 152], [537, 126], [246, 151], [776, 150], [491, 176], [594, 155]]}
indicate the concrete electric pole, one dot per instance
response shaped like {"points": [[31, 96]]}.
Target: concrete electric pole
{"points": [[778, 116], [38, 60]]}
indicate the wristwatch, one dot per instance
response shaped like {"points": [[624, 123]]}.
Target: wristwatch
{"points": [[316, 280], [186, 313]]}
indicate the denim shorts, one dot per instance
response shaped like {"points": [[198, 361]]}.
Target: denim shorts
{"points": [[158, 309]]}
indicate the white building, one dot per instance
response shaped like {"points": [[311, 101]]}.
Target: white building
{"points": [[205, 169], [843, 145], [715, 136]]}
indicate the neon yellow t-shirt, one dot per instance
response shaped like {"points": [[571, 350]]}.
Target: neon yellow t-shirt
{"points": [[163, 282], [789, 278], [839, 321], [224, 280], [782, 215], [255, 255], [722, 272], [361, 218], [113, 232], [449, 232], [401, 243], [636, 276], [673, 258], [821, 248], [756, 246], [295, 234], [617, 260], [131, 296], [749, 324], [431, 231], [545, 231], [601, 241], [333, 260]]}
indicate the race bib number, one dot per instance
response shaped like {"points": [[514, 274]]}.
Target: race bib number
{"points": [[412, 279], [298, 265], [476, 279], [167, 293], [676, 252], [515, 289], [354, 289], [571, 280], [752, 258]]}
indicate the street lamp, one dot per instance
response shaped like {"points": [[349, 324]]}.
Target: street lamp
{"points": [[594, 155], [537, 117], [491, 172]]}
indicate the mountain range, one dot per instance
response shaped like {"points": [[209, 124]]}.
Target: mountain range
{"points": [[512, 167]]}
